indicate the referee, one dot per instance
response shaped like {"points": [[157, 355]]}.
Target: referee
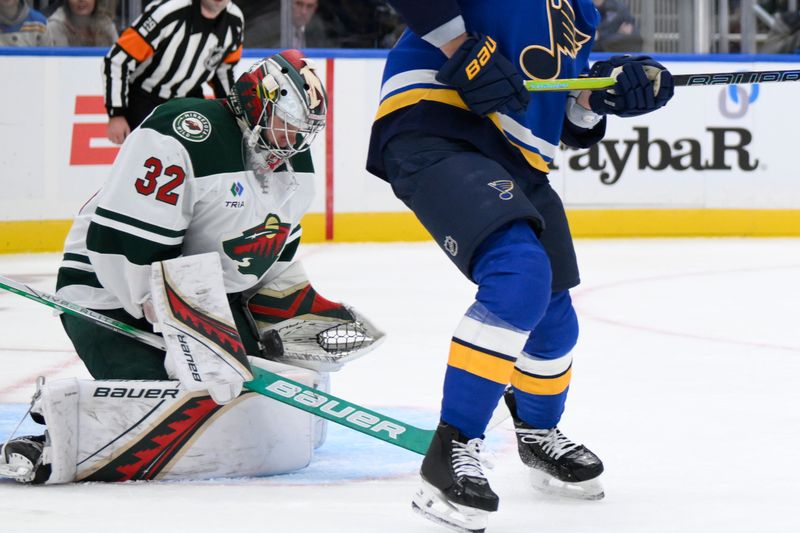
{"points": [[170, 51]]}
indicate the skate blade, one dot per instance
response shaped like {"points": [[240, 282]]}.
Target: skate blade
{"points": [[14, 472], [431, 503], [582, 490]]}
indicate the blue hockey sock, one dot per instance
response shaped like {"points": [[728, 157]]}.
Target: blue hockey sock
{"points": [[482, 355], [542, 373]]}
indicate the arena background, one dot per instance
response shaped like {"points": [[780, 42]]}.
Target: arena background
{"points": [[718, 161]]}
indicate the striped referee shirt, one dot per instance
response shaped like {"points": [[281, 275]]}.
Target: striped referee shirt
{"points": [[171, 50]]}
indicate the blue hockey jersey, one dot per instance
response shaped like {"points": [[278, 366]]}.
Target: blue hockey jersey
{"points": [[545, 39]]}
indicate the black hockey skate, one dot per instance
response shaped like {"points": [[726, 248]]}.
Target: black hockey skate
{"points": [[455, 491], [22, 460], [558, 465]]}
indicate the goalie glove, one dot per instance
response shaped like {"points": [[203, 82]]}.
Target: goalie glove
{"points": [[299, 327], [321, 344], [204, 350]]}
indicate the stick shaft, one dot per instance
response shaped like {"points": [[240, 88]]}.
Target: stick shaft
{"points": [[681, 80], [735, 78], [70, 308], [266, 383]]}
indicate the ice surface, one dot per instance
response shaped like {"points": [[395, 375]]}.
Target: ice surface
{"points": [[686, 383]]}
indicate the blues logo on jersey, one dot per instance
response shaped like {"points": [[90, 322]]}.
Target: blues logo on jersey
{"points": [[544, 62]]}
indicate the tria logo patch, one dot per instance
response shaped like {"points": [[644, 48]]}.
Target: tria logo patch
{"points": [[237, 189], [192, 126]]}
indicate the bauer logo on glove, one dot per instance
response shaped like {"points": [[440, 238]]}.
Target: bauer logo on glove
{"points": [[484, 55], [484, 78]]}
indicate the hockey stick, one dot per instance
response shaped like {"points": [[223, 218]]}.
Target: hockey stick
{"points": [[681, 80], [266, 383]]}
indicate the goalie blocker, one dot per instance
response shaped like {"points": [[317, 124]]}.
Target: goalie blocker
{"points": [[293, 323]]}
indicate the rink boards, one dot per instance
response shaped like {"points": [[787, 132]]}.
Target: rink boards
{"points": [[717, 161]]}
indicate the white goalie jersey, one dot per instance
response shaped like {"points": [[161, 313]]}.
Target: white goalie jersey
{"points": [[183, 185]]}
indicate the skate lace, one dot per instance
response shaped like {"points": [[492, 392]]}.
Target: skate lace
{"points": [[467, 460], [552, 441]]}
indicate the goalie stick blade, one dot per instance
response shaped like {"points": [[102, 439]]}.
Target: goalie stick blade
{"points": [[340, 411]]}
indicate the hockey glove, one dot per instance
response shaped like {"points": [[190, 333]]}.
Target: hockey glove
{"points": [[643, 85], [485, 79]]}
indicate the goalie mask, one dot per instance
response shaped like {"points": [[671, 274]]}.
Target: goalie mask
{"points": [[281, 104]]}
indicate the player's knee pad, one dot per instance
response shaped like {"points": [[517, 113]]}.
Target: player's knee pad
{"points": [[513, 274], [557, 332], [144, 430]]}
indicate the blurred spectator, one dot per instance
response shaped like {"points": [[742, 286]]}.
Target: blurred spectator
{"points": [[170, 51], [617, 31], [307, 30], [781, 33], [263, 27], [327, 23], [784, 35], [21, 25], [81, 23], [361, 23]]}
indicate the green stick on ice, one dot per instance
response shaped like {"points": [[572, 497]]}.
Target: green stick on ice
{"points": [[267, 383]]}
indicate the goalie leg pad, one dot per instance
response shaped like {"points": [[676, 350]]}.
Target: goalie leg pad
{"points": [[204, 349], [146, 430], [58, 401]]}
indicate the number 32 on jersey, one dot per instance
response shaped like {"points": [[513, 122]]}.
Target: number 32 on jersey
{"points": [[161, 181]]}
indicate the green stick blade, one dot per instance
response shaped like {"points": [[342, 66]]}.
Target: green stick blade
{"points": [[340, 411]]}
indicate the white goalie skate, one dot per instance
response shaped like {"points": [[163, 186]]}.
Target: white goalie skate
{"points": [[14, 467], [21, 460]]}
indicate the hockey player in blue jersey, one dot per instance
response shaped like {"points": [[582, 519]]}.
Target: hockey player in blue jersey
{"points": [[467, 149]]}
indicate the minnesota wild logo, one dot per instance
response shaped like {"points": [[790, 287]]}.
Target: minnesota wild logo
{"points": [[256, 249], [192, 126]]}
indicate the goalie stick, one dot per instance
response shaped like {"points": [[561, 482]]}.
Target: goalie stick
{"points": [[293, 393], [680, 80]]}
